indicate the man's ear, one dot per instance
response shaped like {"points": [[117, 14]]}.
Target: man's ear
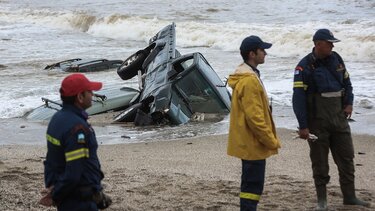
{"points": [[80, 97], [251, 54]]}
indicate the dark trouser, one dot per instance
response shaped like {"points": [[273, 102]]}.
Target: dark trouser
{"points": [[80, 199], [328, 122], [252, 183], [74, 204]]}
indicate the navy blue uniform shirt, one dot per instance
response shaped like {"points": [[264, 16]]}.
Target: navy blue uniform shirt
{"points": [[314, 75], [71, 160]]}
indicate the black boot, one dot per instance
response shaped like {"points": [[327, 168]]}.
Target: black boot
{"points": [[321, 193], [348, 192]]}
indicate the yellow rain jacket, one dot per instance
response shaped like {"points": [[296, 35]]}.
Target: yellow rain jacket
{"points": [[252, 133]]}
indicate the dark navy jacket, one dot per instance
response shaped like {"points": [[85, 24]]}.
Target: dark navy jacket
{"points": [[314, 75], [72, 160]]}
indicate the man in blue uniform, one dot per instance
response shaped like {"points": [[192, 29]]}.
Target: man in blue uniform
{"points": [[322, 103], [72, 169]]}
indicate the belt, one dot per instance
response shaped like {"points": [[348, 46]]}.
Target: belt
{"points": [[332, 94]]}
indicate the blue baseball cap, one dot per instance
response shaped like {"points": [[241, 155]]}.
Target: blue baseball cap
{"points": [[253, 42], [325, 34]]}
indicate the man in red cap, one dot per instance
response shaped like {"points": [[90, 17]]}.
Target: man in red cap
{"points": [[72, 171]]}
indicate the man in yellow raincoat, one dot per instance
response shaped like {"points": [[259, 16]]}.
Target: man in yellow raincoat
{"points": [[252, 133]]}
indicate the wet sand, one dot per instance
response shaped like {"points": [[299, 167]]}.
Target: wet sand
{"points": [[189, 174]]}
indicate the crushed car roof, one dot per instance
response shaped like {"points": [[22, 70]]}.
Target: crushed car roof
{"points": [[84, 65]]}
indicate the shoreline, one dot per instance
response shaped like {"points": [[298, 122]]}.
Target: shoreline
{"points": [[108, 133], [189, 174]]}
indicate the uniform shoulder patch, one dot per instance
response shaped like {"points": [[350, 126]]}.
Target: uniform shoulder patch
{"points": [[81, 138], [340, 68], [298, 70]]}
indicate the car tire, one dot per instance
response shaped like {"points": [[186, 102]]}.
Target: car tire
{"points": [[129, 68], [128, 115]]}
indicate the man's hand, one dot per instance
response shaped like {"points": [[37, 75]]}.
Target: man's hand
{"points": [[348, 109], [304, 133], [46, 199]]}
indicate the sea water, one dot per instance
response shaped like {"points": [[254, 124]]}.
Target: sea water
{"points": [[40, 32]]}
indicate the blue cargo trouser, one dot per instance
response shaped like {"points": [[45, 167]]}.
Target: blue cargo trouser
{"points": [[252, 183], [78, 201], [72, 204]]}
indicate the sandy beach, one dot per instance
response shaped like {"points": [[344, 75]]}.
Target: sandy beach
{"points": [[189, 174]]}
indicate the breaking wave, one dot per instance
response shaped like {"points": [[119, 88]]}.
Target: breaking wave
{"points": [[358, 40]]}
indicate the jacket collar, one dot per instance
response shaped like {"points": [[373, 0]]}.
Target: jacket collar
{"points": [[80, 112], [254, 69], [246, 68]]}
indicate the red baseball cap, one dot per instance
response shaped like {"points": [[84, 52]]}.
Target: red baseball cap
{"points": [[76, 83]]}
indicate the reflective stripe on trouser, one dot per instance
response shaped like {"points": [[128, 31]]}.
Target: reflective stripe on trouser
{"points": [[331, 127], [252, 183]]}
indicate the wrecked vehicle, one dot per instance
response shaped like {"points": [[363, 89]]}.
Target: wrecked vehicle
{"points": [[105, 100], [173, 87]]}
